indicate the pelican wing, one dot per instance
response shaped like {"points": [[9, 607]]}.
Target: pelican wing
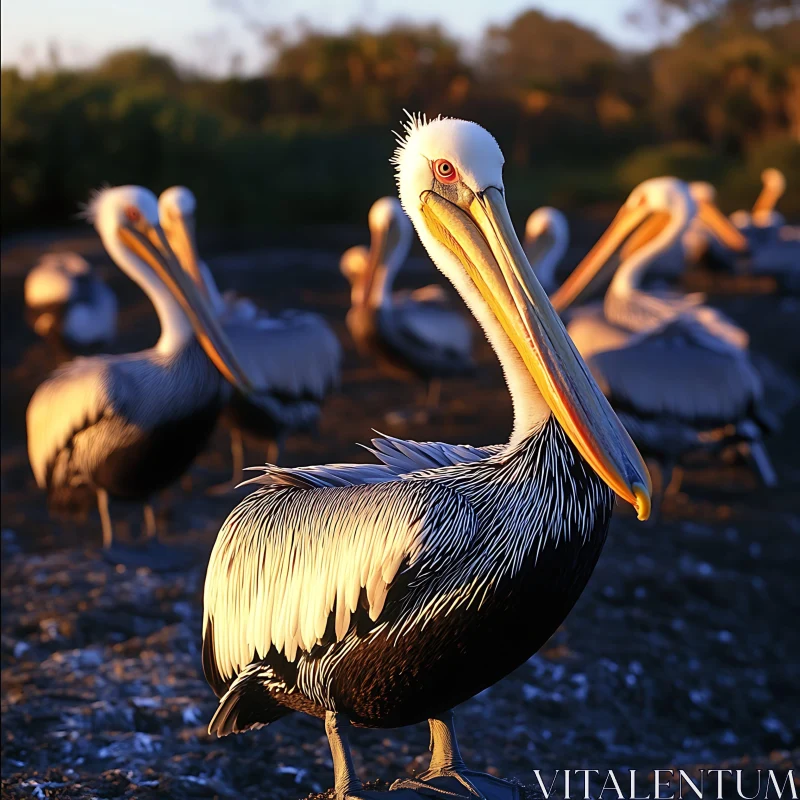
{"points": [[72, 399], [678, 371], [295, 354], [403, 456], [434, 326], [292, 567]]}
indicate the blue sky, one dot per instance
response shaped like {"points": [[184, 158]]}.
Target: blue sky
{"points": [[206, 33]]}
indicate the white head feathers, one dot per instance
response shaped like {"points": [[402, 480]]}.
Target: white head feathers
{"points": [[177, 199]]}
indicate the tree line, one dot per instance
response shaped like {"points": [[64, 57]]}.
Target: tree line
{"points": [[580, 121]]}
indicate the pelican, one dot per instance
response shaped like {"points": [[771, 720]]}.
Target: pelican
{"points": [[411, 335], [294, 358], [66, 300], [761, 245], [127, 426], [384, 595], [677, 372], [763, 219], [546, 243]]}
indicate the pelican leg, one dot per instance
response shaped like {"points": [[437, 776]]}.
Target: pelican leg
{"points": [[105, 519], [237, 459], [273, 451], [448, 776], [434, 394], [757, 454], [237, 456], [150, 527], [345, 780], [675, 481]]}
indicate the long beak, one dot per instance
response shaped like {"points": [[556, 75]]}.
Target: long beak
{"points": [[722, 228], [150, 244], [180, 232], [480, 234], [626, 221]]}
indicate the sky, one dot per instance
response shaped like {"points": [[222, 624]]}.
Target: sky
{"points": [[207, 33]]}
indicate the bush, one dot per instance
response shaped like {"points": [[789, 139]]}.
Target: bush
{"points": [[686, 160]]}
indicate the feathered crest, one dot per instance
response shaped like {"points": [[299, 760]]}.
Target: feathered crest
{"points": [[89, 209], [407, 128]]}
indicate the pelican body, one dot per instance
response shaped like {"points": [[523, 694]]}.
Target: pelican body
{"points": [[678, 372], [384, 594], [294, 358], [125, 427], [413, 335], [66, 300]]}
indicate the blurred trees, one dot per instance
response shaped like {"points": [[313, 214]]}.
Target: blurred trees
{"points": [[310, 139]]}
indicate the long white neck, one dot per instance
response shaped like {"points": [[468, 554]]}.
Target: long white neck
{"points": [[385, 275], [624, 295], [176, 330], [530, 408]]}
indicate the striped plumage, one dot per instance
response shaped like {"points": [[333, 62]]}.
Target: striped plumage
{"points": [[65, 299], [384, 594], [293, 357]]}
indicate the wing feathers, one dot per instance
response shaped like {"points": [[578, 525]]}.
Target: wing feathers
{"points": [[288, 559]]}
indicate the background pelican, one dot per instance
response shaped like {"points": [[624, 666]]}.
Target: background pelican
{"points": [[127, 426], [764, 249], [546, 244], [355, 593], [415, 335], [294, 357], [677, 371], [66, 299], [763, 219]]}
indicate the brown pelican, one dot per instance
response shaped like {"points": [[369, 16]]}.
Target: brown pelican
{"points": [[386, 595], [127, 426], [66, 300], [411, 335], [293, 357], [677, 372]]}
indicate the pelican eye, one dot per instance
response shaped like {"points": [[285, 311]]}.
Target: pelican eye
{"points": [[444, 171], [133, 214]]}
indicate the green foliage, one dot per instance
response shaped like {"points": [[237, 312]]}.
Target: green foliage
{"points": [[310, 140], [686, 160]]}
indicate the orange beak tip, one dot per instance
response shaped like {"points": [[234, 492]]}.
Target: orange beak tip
{"points": [[642, 505]]}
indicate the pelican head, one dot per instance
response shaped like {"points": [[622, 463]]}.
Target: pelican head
{"points": [[176, 208], [650, 207], [127, 219], [712, 219], [450, 178], [775, 179]]}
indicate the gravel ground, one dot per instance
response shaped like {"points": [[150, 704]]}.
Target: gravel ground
{"points": [[683, 651]]}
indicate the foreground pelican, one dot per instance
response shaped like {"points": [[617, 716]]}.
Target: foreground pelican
{"points": [[677, 372], [65, 299], [125, 427], [384, 595], [294, 358], [410, 334]]}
